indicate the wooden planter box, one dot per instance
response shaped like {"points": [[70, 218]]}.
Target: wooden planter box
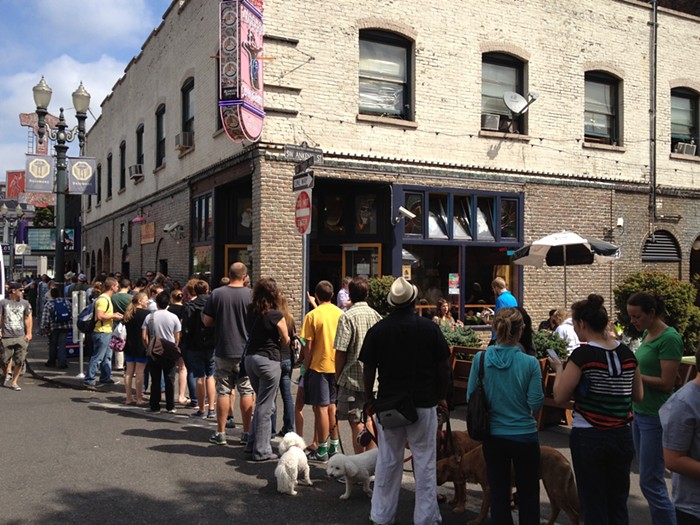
{"points": [[460, 372]]}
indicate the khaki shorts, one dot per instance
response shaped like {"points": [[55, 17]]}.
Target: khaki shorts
{"points": [[226, 372], [14, 348], [350, 405]]}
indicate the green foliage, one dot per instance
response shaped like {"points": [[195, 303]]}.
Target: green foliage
{"points": [[378, 290], [679, 297], [544, 339], [460, 336], [43, 216]]}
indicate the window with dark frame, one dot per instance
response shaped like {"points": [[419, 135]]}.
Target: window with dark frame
{"points": [[122, 165], [188, 105], [139, 144], [601, 117], [684, 121], [385, 74], [109, 176], [500, 73], [98, 198], [160, 135], [202, 218], [219, 123]]}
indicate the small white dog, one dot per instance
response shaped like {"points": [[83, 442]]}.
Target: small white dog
{"points": [[357, 468], [292, 462]]}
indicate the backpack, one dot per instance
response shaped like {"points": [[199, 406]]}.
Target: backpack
{"points": [[199, 337], [86, 319], [61, 313]]}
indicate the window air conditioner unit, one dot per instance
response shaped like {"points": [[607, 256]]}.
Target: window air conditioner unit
{"points": [[490, 121], [685, 149], [184, 140], [136, 171]]}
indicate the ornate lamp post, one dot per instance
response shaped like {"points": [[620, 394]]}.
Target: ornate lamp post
{"points": [[62, 136], [11, 222]]}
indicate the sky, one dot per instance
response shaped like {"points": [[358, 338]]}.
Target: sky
{"points": [[68, 42]]}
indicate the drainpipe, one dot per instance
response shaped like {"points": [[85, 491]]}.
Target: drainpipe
{"points": [[652, 115]]}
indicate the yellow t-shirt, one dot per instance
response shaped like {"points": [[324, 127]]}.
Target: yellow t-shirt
{"points": [[319, 326], [104, 304]]}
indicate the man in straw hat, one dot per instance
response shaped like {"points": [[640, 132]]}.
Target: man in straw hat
{"points": [[411, 356]]}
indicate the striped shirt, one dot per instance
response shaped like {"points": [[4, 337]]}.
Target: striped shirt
{"points": [[603, 396]]}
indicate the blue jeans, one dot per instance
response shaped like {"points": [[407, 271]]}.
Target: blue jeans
{"points": [[264, 375], [57, 346], [602, 460], [647, 433], [287, 401], [101, 358]]}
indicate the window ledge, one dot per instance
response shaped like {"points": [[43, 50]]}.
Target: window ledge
{"points": [[121, 190], [218, 132], [109, 198], [138, 180], [185, 151], [689, 158], [604, 147], [501, 135], [159, 168], [98, 205], [371, 119]]}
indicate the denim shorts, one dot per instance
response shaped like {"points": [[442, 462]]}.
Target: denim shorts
{"points": [[319, 389], [131, 359], [201, 364]]}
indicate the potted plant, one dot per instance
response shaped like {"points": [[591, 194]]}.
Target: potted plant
{"points": [[544, 339]]}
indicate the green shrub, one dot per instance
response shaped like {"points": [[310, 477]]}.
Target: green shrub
{"points": [[378, 290], [461, 336], [679, 297], [544, 339]]}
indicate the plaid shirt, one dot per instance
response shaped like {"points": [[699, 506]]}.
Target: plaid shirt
{"points": [[352, 328], [48, 324]]}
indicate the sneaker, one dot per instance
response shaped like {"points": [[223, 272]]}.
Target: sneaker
{"points": [[16, 388], [172, 411], [271, 457], [63, 366], [230, 423], [50, 364], [218, 438], [244, 438], [154, 410], [109, 381], [198, 413], [332, 452], [90, 383], [315, 456]]}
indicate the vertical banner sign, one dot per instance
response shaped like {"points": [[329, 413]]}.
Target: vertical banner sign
{"points": [[81, 176], [39, 173], [15, 184], [241, 99]]}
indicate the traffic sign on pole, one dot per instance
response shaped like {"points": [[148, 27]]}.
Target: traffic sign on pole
{"points": [[303, 181], [302, 212]]}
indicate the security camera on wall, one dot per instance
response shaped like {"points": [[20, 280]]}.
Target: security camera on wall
{"points": [[170, 227], [406, 214]]}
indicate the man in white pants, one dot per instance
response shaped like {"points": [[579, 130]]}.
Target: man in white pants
{"points": [[411, 355]]}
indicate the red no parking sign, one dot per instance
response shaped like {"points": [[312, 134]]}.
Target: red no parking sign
{"points": [[302, 212]]}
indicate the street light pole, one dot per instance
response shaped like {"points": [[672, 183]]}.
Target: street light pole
{"points": [[62, 136], [11, 223]]}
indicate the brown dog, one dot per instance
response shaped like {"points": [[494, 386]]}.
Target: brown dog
{"points": [[555, 473], [461, 444]]}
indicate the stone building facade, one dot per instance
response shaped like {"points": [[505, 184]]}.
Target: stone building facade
{"points": [[402, 99]]}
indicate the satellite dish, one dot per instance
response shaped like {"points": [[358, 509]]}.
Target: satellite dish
{"points": [[515, 102]]}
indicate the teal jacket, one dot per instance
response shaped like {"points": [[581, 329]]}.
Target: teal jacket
{"points": [[513, 386]]}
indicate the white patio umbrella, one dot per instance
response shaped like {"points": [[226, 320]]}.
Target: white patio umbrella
{"points": [[565, 248]]}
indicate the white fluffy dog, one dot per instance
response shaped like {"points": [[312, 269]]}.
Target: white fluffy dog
{"points": [[292, 462], [357, 468]]}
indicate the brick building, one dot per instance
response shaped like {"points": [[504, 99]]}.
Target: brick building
{"points": [[407, 103]]}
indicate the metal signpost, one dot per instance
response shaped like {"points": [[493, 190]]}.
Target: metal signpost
{"points": [[78, 304]]}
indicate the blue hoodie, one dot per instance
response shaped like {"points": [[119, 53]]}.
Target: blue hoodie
{"points": [[513, 385]]}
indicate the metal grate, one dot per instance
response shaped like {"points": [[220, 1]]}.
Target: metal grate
{"points": [[661, 246]]}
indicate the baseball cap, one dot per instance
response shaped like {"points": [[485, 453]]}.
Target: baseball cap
{"points": [[14, 286], [81, 277]]}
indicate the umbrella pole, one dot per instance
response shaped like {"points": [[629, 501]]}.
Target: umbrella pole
{"points": [[566, 304]]}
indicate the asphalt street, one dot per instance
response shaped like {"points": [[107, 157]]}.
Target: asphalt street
{"points": [[73, 455]]}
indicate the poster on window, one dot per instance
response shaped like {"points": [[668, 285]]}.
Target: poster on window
{"points": [[453, 284], [365, 214]]}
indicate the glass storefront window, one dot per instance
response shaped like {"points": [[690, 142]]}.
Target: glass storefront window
{"points": [[414, 203], [462, 217], [485, 219], [437, 217], [365, 214], [201, 260], [333, 214], [509, 218]]}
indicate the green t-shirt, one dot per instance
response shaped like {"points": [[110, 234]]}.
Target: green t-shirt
{"points": [[667, 347]]}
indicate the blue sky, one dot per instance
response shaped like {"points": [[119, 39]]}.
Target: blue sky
{"points": [[66, 41]]}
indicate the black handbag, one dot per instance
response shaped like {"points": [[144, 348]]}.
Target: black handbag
{"points": [[478, 424], [396, 411]]}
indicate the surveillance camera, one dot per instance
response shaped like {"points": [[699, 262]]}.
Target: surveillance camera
{"points": [[169, 227], [406, 213]]}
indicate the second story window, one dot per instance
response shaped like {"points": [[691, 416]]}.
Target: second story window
{"points": [[122, 165], [188, 105], [160, 135], [98, 198], [109, 176], [684, 121], [139, 144], [500, 73], [385, 75], [602, 123]]}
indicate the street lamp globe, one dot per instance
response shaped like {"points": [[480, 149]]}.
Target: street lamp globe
{"points": [[19, 212], [42, 94], [3, 210], [81, 99]]}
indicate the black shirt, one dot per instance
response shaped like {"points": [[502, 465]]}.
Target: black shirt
{"points": [[264, 336], [406, 350], [134, 342]]}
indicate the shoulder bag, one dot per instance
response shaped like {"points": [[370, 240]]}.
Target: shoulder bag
{"points": [[161, 350], [477, 408]]}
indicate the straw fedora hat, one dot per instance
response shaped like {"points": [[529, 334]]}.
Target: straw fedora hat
{"points": [[402, 293]]}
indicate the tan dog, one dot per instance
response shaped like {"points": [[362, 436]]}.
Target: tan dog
{"points": [[555, 473], [461, 444]]}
